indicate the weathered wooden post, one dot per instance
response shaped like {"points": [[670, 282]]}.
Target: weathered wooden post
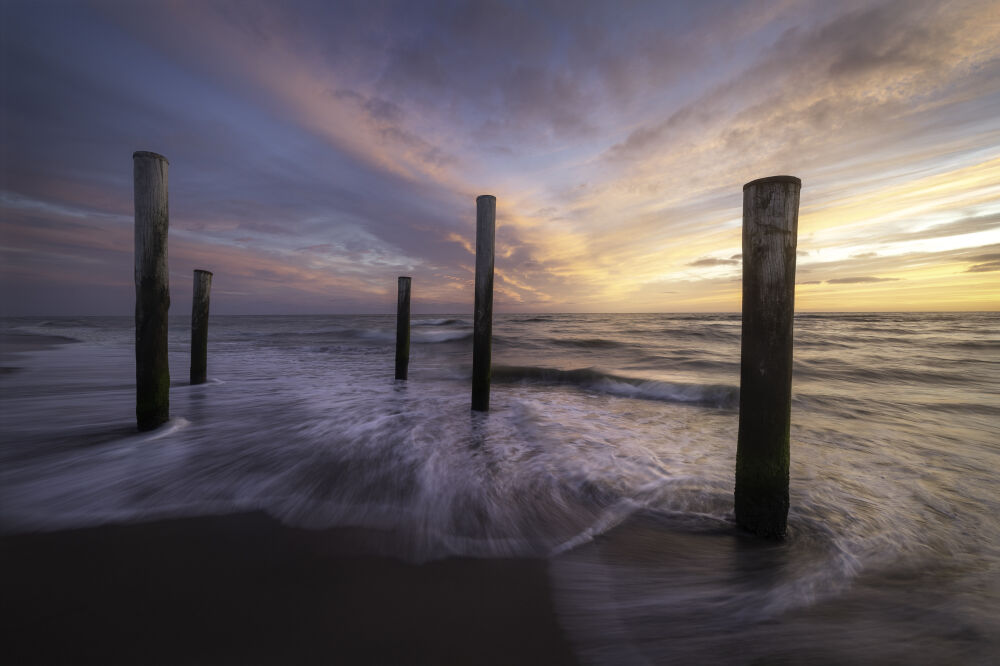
{"points": [[152, 290], [770, 228], [482, 332], [199, 326], [403, 328]]}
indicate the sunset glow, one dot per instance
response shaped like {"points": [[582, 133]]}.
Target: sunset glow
{"points": [[318, 150]]}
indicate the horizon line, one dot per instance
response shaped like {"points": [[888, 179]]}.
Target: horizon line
{"points": [[539, 312]]}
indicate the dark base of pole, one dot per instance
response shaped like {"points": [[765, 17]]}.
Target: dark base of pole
{"points": [[153, 412], [763, 515], [199, 325], [152, 378], [150, 421], [481, 401], [199, 358]]}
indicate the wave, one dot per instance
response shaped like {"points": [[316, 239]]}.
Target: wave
{"points": [[438, 322], [434, 337], [381, 335], [811, 369], [315, 333], [959, 408], [975, 345], [706, 332], [714, 395], [722, 365], [420, 337], [587, 343], [812, 343], [14, 339]]}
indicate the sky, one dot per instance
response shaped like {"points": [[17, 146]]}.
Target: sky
{"points": [[318, 150]]}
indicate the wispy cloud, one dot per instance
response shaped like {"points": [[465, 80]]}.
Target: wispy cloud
{"points": [[989, 262], [331, 146], [860, 280], [713, 261]]}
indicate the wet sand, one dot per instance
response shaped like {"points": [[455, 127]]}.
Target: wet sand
{"points": [[244, 589]]}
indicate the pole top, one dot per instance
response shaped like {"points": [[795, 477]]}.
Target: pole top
{"points": [[201, 270], [774, 179], [148, 154], [405, 277], [486, 196]]}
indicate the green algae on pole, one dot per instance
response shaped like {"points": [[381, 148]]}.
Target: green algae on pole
{"points": [[199, 326], [152, 290], [770, 229], [403, 328], [482, 333]]}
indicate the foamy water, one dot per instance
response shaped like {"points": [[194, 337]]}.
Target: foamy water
{"points": [[609, 450]]}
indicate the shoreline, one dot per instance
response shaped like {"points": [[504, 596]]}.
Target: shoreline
{"points": [[243, 588]]}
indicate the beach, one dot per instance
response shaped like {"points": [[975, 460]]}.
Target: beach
{"points": [[243, 589], [304, 507]]}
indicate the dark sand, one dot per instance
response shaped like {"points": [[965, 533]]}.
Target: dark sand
{"points": [[244, 589]]}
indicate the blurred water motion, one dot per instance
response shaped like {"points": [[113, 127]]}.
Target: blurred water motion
{"points": [[610, 451]]}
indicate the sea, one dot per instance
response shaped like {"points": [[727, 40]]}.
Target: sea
{"points": [[609, 452]]}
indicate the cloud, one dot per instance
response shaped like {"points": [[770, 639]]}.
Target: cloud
{"points": [[863, 79], [984, 257], [905, 262], [349, 139], [493, 65], [388, 121], [983, 268], [860, 280], [714, 261], [965, 225]]}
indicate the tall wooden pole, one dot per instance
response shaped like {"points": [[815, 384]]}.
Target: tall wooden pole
{"points": [[152, 290], [403, 328], [770, 228], [199, 326], [482, 333]]}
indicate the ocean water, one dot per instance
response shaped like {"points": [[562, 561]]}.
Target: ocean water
{"points": [[609, 451]]}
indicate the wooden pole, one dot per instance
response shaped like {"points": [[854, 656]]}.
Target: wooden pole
{"points": [[403, 328], [152, 290], [482, 333], [199, 326], [770, 228]]}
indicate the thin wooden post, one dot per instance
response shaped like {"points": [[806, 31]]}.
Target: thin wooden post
{"points": [[199, 326], [482, 332], [770, 229], [403, 328], [152, 290]]}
